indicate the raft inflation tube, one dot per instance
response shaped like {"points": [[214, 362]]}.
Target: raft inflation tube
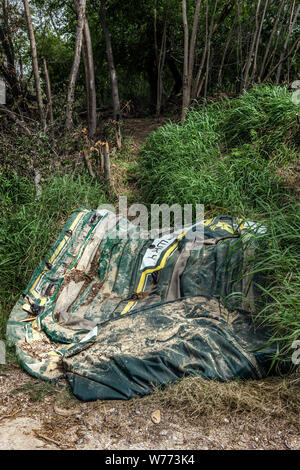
{"points": [[117, 316]]}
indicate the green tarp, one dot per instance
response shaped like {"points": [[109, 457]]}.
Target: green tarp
{"points": [[118, 316]]}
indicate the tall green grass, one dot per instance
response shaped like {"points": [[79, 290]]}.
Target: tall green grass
{"points": [[277, 259], [264, 117], [236, 158], [28, 226], [225, 155]]}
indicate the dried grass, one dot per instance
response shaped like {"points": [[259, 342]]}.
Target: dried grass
{"points": [[212, 402]]}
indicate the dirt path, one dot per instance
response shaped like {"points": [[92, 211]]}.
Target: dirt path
{"points": [[37, 415], [124, 166], [139, 129]]}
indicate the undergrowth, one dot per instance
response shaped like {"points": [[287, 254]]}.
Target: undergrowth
{"points": [[225, 155], [240, 157]]}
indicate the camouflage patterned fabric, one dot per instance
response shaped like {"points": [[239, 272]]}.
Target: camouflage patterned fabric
{"points": [[118, 316]]}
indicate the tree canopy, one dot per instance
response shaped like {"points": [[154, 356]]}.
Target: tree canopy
{"points": [[164, 53]]}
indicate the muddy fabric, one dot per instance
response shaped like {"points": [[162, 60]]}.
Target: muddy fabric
{"points": [[120, 315]]}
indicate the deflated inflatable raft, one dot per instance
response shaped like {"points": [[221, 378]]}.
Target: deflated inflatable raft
{"points": [[119, 316]]}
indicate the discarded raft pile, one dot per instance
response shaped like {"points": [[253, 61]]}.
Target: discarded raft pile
{"points": [[119, 315]]}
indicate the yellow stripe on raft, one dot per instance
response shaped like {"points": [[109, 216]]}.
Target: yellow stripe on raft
{"points": [[152, 270], [55, 254]]}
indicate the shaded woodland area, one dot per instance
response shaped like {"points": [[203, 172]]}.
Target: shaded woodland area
{"points": [[68, 62]]}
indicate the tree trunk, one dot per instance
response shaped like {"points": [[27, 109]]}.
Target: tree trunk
{"points": [[266, 54], [239, 51], [293, 20], [177, 76], [209, 49], [90, 72], [48, 92], [185, 80], [258, 40], [224, 14], [193, 43], [34, 60], [294, 48], [86, 74], [161, 58], [5, 36], [88, 62], [245, 80], [279, 33], [76, 61], [9, 69], [111, 64], [229, 37], [189, 54]]}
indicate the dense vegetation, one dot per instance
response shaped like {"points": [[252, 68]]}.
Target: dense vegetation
{"points": [[239, 157], [147, 56], [227, 154]]}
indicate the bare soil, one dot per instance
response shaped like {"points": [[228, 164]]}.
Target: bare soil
{"points": [[37, 415]]}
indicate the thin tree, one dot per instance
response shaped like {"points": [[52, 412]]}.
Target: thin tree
{"points": [[160, 58], [88, 62], [249, 59], [111, 64], [48, 92], [209, 38], [76, 61], [258, 41], [292, 50], [34, 60], [292, 22], [92, 116], [189, 55], [199, 80], [7, 66], [185, 79], [229, 38], [280, 33], [267, 50]]}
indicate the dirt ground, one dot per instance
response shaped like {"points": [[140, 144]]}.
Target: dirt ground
{"points": [[37, 415]]}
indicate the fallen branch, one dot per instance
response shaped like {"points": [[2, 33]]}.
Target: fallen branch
{"points": [[11, 415], [27, 131], [48, 439], [13, 116]]}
